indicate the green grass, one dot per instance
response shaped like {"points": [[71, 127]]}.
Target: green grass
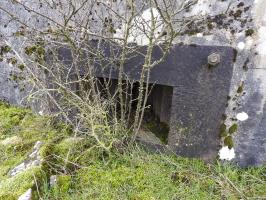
{"points": [[139, 174], [87, 172]]}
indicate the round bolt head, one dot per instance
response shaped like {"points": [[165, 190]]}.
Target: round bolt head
{"points": [[214, 59]]}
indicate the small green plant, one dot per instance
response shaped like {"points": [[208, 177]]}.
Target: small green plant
{"points": [[223, 132], [29, 50], [233, 128], [228, 141], [5, 49], [21, 67], [240, 88], [12, 60], [249, 32]]}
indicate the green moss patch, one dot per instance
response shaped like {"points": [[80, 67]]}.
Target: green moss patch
{"points": [[20, 129], [228, 141], [10, 118], [13, 187], [249, 32], [233, 128], [240, 89]]}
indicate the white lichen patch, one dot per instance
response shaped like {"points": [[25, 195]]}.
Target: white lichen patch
{"points": [[242, 116], [226, 154], [140, 30], [241, 46], [199, 35], [41, 112]]}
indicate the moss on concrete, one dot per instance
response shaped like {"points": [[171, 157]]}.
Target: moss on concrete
{"points": [[233, 128], [240, 89], [249, 32], [228, 141]]}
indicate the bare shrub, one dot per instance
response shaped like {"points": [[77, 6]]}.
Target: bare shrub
{"points": [[58, 44]]}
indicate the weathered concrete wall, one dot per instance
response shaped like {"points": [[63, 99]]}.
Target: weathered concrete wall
{"points": [[10, 90], [240, 24], [235, 29], [251, 138]]}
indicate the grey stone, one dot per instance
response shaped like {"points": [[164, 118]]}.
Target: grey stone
{"points": [[21, 167], [37, 145], [33, 154], [27, 195], [53, 180], [33, 160]]}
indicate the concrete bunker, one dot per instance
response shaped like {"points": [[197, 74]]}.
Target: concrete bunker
{"points": [[189, 95]]}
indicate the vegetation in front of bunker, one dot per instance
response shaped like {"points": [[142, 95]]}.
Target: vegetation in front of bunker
{"points": [[20, 129], [138, 174], [125, 173]]}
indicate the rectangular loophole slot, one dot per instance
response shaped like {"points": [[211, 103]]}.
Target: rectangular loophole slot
{"points": [[158, 113], [157, 116]]}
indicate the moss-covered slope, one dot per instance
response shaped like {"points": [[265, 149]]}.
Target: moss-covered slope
{"points": [[81, 171], [20, 129]]}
